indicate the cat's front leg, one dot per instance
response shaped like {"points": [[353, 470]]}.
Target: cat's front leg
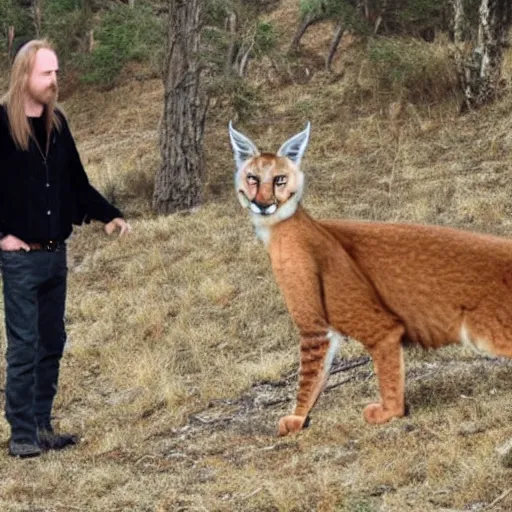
{"points": [[302, 291], [317, 351], [291, 424]]}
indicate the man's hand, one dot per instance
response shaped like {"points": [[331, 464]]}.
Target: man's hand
{"points": [[120, 223], [10, 243]]}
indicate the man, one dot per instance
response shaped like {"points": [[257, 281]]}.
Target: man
{"points": [[43, 191]]}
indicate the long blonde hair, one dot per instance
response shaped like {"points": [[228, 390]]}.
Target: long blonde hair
{"points": [[14, 98]]}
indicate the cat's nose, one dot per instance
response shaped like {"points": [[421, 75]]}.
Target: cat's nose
{"points": [[265, 195]]}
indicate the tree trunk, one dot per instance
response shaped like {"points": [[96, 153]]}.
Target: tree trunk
{"points": [[458, 21], [36, 17], [480, 69], [244, 59], [363, 8], [338, 34], [10, 41], [382, 14], [231, 28], [305, 23], [178, 183]]}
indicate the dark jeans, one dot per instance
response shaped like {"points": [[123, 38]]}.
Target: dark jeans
{"points": [[34, 300]]}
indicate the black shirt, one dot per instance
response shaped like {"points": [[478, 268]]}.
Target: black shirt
{"points": [[38, 127], [39, 130], [41, 196]]}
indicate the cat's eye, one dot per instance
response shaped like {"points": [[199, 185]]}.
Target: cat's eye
{"points": [[279, 181], [252, 180]]}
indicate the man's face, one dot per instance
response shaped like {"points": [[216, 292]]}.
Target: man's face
{"points": [[42, 81]]}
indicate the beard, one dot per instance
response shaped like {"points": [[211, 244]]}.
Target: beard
{"points": [[45, 96]]}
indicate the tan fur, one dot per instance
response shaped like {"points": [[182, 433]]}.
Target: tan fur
{"points": [[381, 284]]}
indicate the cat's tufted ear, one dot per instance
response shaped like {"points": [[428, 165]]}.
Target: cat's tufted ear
{"points": [[243, 148], [294, 147]]}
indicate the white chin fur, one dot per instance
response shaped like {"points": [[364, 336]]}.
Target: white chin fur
{"points": [[269, 210], [274, 214], [254, 208]]}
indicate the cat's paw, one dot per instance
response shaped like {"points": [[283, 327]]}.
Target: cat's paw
{"points": [[376, 414], [291, 424]]}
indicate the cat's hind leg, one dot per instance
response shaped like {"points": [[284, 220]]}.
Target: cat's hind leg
{"points": [[388, 360]]}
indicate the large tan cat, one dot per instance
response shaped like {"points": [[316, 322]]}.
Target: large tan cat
{"points": [[379, 283]]}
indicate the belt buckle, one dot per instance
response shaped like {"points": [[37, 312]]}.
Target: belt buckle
{"points": [[51, 246]]}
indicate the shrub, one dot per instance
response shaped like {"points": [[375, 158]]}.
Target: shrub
{"points": [[244, 98], [12, 14], [125, 34], [334, 9], [410, 69], [65, 23], [265, 37]]}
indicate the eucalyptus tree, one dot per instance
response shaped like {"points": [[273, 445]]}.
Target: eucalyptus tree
{"points": [[481, 31]]}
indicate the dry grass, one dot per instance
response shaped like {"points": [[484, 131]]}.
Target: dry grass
{"points": [[177, 333]]}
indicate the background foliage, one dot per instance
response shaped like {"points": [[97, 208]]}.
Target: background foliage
{"points": [[124, 34], [97, 39]]}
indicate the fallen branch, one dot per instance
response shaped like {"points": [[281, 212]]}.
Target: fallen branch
{"points": [[206, 421], [501, 497], [342, 366], [332, 386], [145, 457], [66, 506], [423, 376], [251, 494], [270, 403], [348, 365]]}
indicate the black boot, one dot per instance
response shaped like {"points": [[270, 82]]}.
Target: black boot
{"points": [[49, 440], [24, 449]]}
